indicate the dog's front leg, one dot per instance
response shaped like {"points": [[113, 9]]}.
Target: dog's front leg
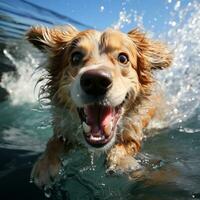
{"points": [[48, 165], [121, 157]]}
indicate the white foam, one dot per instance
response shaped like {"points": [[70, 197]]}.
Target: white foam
{"points": [[21, 85]]}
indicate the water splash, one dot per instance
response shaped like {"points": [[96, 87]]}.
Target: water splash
{"points": [[182, 81], [124, 18], [21, 85]]}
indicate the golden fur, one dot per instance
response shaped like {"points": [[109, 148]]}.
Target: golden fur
{"points": [[101, 52]]}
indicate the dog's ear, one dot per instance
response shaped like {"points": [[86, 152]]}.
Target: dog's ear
{"points": [[50, 39], [152, 54]]}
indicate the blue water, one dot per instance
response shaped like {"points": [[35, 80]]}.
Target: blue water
{"points": [[170, 159]]}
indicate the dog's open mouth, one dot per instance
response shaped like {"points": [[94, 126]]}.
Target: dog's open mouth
{"points": [[99, 123]]}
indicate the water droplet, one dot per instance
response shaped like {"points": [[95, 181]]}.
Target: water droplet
{"points": [[65, 162], [102, 8], [93, 166], [180, 121], [196, 195], [47, 191], [31, 180], [172, 23], [177, 5]]}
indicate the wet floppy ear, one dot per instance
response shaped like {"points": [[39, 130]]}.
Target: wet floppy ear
{"points": [[154, 54], [50, 39]]}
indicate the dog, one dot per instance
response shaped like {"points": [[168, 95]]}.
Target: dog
{"points": [[104, 81]]}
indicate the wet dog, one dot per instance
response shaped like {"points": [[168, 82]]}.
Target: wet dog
{"points": [[105, 81]]}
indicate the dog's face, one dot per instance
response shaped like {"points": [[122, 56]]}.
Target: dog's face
{"points": [[100, 74], [105, 75]]}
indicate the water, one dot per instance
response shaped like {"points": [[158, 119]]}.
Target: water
{"points": [[170, 160]]}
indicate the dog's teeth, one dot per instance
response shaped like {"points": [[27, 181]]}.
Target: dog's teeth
{"points": [[86, 127], [95, 138]]}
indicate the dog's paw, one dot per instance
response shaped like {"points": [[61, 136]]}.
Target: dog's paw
{"points": [[118, 161], [45, 170], [123, 165]]}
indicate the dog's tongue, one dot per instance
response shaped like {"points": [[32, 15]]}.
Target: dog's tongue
{"points": [[98, 117]]}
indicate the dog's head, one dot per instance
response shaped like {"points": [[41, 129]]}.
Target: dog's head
{"points": [[101, 74]]}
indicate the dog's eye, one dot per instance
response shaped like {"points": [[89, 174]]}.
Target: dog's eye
{"points": [[76, 58], [123, 58]]}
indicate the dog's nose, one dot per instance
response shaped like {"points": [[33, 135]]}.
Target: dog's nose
{"points": [[96, 82]]}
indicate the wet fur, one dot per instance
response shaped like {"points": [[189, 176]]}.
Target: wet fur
{"points": [[140, 107]]}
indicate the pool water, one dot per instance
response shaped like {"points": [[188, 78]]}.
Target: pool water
{"points": [[170, 159]]}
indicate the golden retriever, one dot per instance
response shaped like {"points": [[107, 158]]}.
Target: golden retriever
{"points": [[103, 81]]}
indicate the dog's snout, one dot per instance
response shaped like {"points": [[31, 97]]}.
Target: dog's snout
{"points": [[96, 82]]}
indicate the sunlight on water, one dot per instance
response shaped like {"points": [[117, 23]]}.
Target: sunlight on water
{"points": [[22, 140]]}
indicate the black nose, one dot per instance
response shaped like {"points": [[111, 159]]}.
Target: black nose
{"points": [[96, 82]]}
